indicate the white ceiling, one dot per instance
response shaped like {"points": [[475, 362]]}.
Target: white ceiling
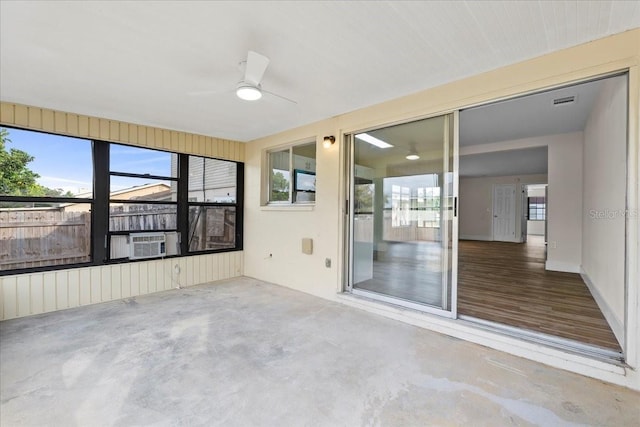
{"points": [[140, 61], [529, 116]]}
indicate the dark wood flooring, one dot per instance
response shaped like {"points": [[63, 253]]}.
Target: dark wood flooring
{"points": [[507, 283]]}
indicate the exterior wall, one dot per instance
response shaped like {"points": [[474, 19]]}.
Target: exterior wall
{"points": [[278, 231], [604, 194], [27, 294]]}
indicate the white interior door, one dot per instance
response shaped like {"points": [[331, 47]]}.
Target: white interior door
{"points": [[504, 213]]}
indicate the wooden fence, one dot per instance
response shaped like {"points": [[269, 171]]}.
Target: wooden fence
{"points": [[39, 237], [51, 236], [141, 217], [212, 228]]}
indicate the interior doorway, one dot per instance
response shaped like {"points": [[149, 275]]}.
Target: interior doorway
{"points": [[534, 218]]}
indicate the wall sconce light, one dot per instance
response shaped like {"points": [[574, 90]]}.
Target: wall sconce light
{"points": [[328, 141]]}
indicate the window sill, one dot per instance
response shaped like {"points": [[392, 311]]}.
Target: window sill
{"points": [[288, 207]]}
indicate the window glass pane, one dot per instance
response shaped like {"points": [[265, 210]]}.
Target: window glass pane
{"points": [[125, 188], [44, 236], [40, 164], [280, 177], [212, 180], [142, 217], [212, 227], [127, 159], [304, 172]]}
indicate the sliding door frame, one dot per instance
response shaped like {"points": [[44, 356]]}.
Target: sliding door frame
{"points": [[450, 255]]}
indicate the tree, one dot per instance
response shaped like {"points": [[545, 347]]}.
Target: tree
{"points": [[16, 179], [279, 187]]}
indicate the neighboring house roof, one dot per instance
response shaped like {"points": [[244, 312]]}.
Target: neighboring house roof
{"points": [[136, 192]]}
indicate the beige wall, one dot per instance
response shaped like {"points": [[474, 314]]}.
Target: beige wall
{"points": [[280, 231], [77, 125], [27, 294], [564, 203], [604, 194], [476, 204], [35, 293]]}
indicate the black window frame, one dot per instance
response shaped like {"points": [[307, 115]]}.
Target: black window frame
{"points": [[535, 212], [99, 205]]}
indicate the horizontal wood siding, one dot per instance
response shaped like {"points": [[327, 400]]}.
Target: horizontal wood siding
{"points": [[76, 125], [28, 294]]}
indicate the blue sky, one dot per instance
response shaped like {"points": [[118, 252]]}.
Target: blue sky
{"points": [[65, 162]]}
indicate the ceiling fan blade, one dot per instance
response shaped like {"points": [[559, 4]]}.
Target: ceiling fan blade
{"points": [[255, 67], [280, 96]]}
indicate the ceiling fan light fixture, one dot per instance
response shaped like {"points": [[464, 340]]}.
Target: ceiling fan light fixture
{"points": [[412, 157], [248, 92]]}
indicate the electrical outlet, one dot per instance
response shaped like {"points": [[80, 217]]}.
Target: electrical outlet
{"points": [[327, 262]]}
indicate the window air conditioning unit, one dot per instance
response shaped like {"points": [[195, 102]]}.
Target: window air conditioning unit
{"points": [[147, 245]]}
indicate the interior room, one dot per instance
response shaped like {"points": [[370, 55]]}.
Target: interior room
{"points": [[319, 213], [522, 281]]}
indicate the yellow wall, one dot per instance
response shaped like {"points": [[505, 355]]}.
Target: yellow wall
{"points": [[35, 293], [279, 231], [77, 125]]}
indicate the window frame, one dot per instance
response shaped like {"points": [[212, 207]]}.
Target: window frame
{"points": [[99, 205], [268, 169], [237, 205], [533, 207]]}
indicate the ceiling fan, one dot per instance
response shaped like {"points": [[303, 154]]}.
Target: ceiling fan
{"points": [[250, 87]]}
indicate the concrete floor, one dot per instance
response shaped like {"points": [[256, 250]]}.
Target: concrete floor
{"points": [[247, 353]]}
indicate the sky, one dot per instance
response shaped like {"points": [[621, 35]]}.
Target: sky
{"points": [[66, 162]]}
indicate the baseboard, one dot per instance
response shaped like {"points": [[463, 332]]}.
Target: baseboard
{"points": [[473, 237], [607, 312], [564, 267]]}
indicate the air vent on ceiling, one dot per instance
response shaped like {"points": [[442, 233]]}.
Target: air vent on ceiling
{"points": [[565, 100]]}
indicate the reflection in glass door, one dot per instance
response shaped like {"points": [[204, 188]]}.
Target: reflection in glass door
{"points": [[402, 214]]}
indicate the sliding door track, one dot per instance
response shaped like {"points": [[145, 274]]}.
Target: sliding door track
{"points": [[593, 351]]}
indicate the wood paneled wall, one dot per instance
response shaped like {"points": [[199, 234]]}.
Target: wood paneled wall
{"points": [[76, 125], [35, 293]]}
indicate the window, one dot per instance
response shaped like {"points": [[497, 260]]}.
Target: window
{"points": [[400, 201], [428, 207], [142, 199], [537, 208], [212, 204], [292, 174], [69, 201], [46, 199]]}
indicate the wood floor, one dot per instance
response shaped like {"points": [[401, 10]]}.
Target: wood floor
{"points": [[507, 283]]}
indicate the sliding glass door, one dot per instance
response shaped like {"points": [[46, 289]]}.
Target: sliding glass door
{"points": [[403, 204]]}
